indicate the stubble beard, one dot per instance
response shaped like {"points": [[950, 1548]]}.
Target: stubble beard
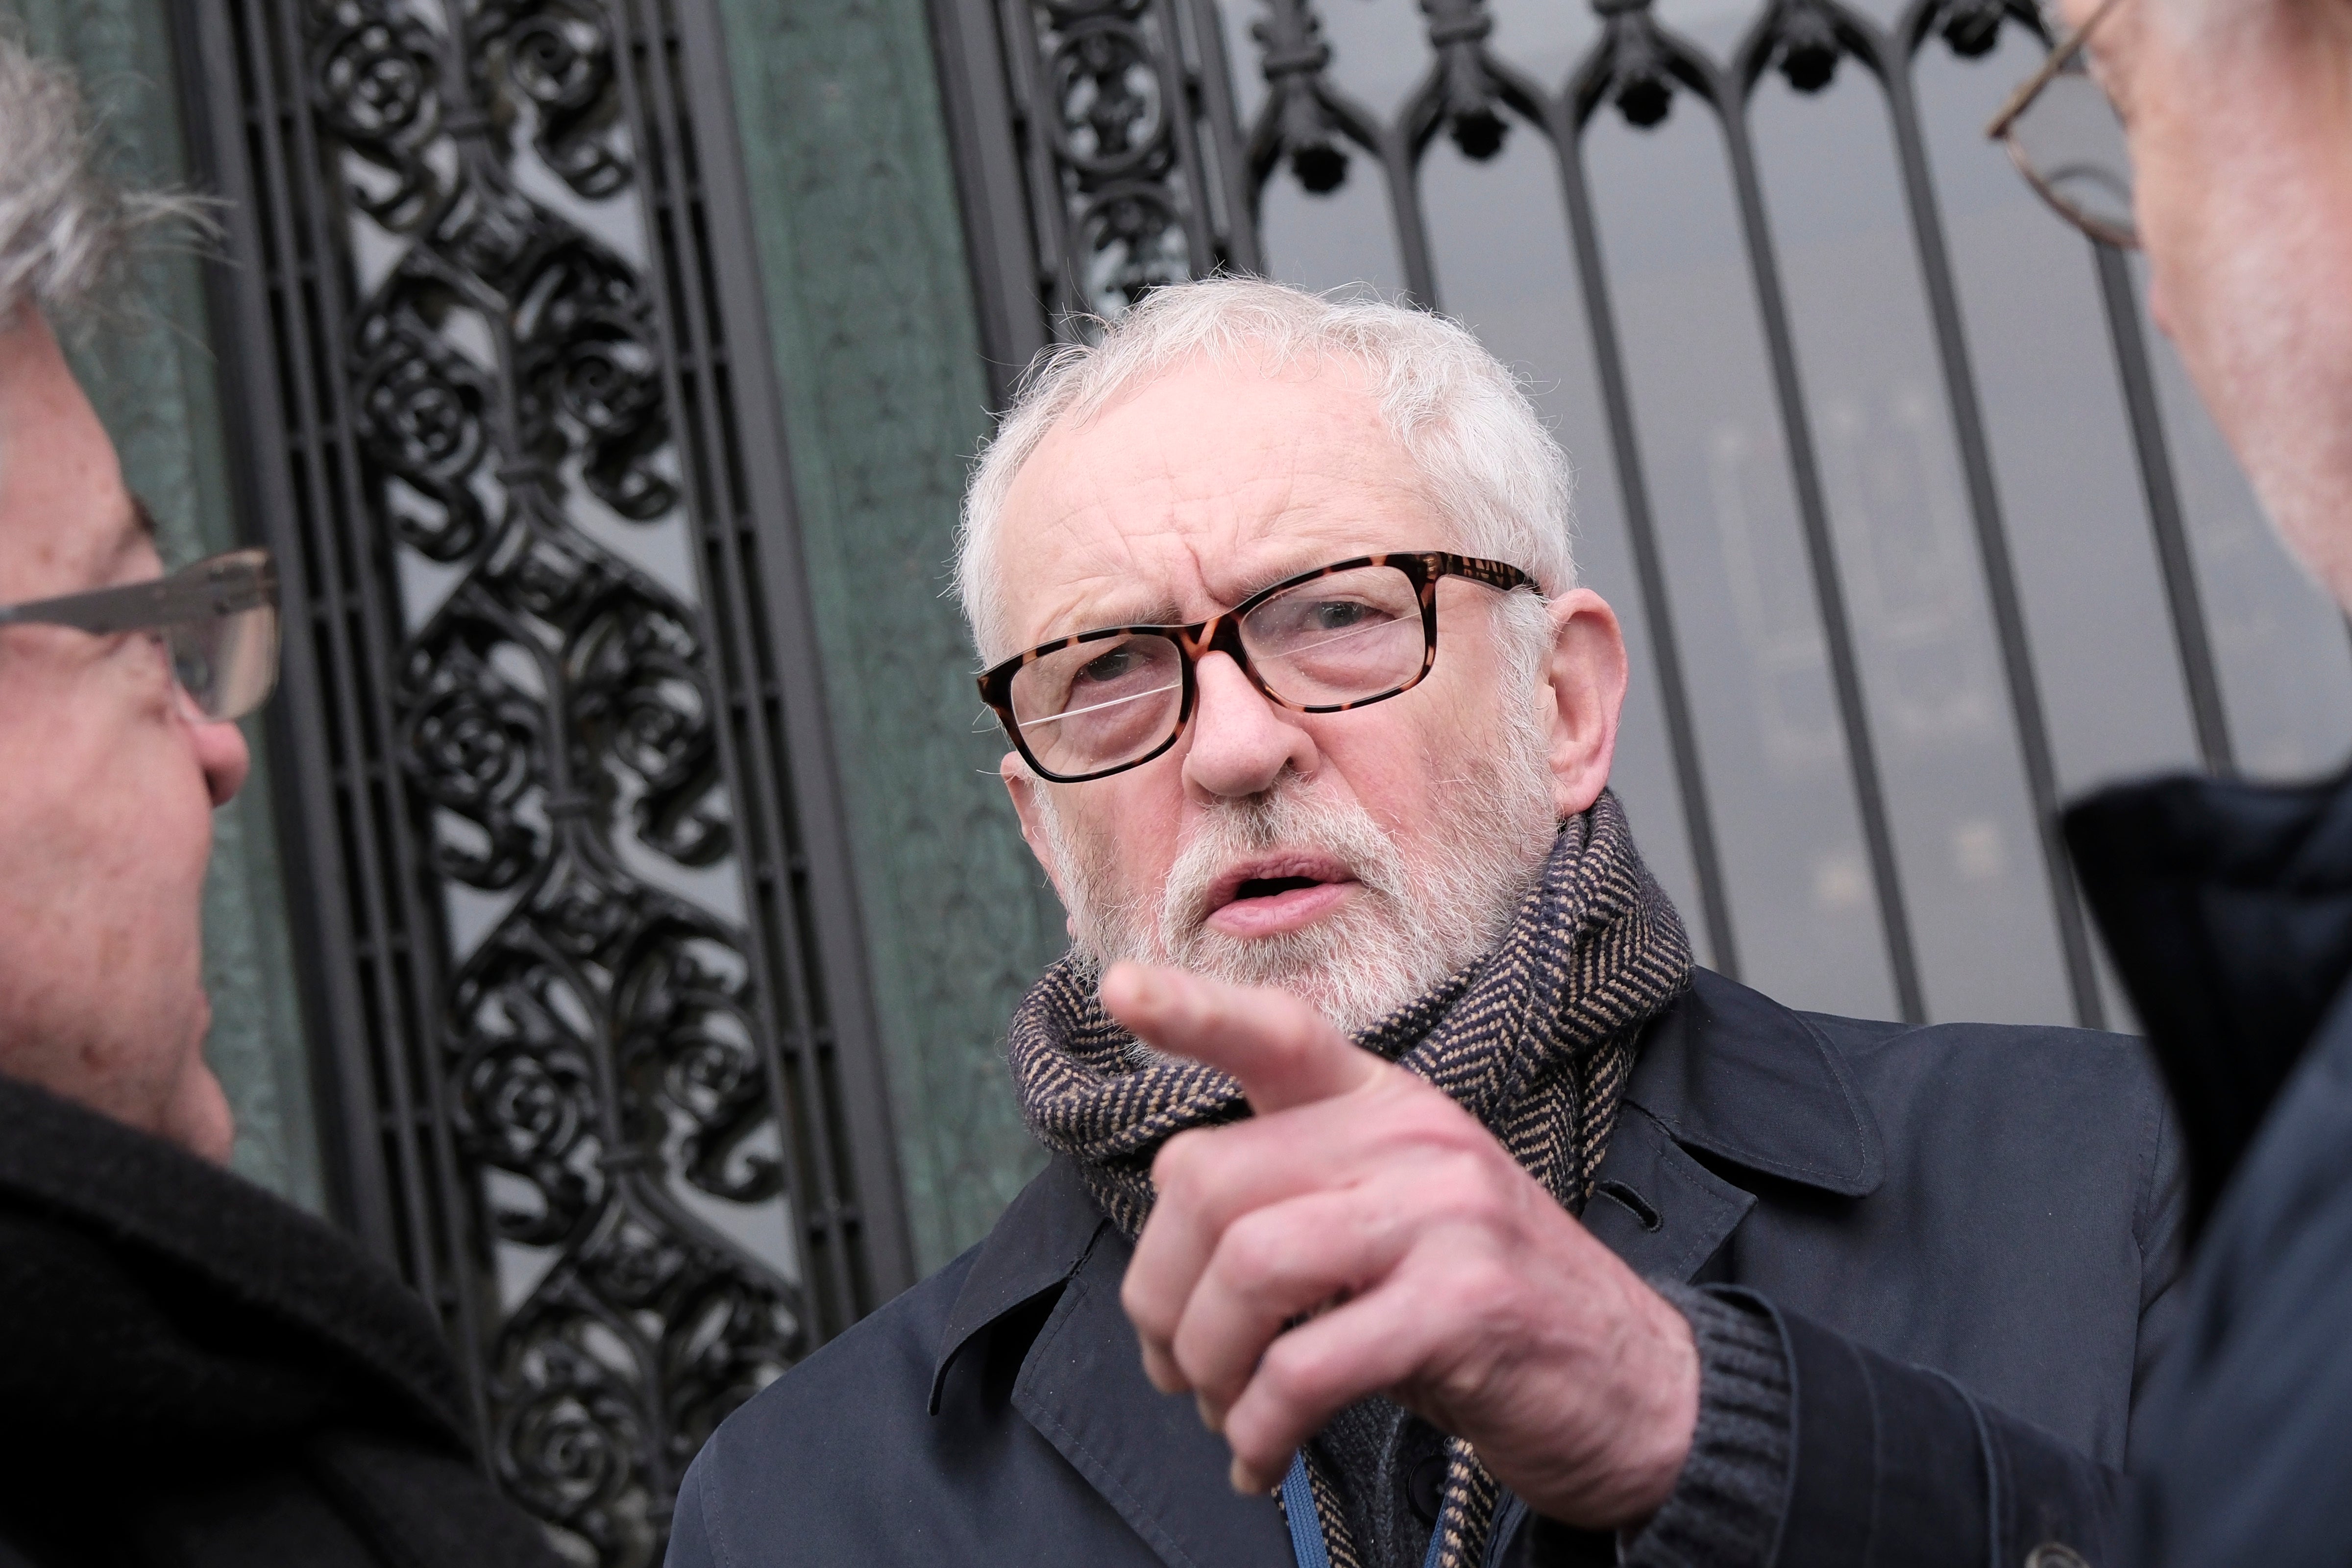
{"points": [[1417, 916]]}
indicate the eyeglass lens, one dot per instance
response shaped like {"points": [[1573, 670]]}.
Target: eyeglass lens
{"points": [[226, 664], [1325, 643], [2070, 143]]}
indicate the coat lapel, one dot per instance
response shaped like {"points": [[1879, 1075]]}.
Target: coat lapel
{"points": [[1082, 1387], [1657, 1208], [1730, 1074]]}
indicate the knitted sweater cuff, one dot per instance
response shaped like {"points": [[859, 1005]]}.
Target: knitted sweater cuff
{"points": [[1725, 1510]]}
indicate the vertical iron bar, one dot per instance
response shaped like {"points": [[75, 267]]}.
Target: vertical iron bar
{"points": [[1176, 102], [378, 978], [457, 1269], [409, 1015], [2207, 717], [228, 115], [1404, 175], [1056, 269], [1217, 109], [1640, 530], [1821, 549], [990, 189], [1992, 534]]}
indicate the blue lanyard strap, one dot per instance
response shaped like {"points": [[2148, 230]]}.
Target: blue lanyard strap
{"points": [[1306, 1531], [1298, 1508]]}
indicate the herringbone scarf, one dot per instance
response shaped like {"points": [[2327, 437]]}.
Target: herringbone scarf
{"points": [[1536, 1040]]}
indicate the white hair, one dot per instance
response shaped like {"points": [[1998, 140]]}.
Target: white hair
{"points": [[63, 223], [1462, 416]]}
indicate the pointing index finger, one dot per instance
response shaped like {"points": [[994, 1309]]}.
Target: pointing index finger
{"points": [[1283, 1052]]}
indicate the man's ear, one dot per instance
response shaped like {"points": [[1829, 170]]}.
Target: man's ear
{"points": [[1023, 785], [1583, 693]]}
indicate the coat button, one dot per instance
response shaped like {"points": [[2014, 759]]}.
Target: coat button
{"points": [[1424, 1485], [2052, 1555]]}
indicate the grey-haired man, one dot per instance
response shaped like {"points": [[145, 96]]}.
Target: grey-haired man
{"points": [[1390, 1120], [2229, 905], [191, 1371]]}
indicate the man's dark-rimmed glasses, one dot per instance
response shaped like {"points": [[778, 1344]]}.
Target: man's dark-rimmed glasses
{"points": [[2066, 138], [217, 620], [1344, 635]]}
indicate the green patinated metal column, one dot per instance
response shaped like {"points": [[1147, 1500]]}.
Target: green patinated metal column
{"points": [[870, 309]]}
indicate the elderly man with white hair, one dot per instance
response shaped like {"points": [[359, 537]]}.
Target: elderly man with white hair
{"points": [[192, 1371], [2228, 905], [1390, 1119]]}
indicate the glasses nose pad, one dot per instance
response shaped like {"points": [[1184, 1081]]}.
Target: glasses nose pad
{"points": [[1223, 636]]}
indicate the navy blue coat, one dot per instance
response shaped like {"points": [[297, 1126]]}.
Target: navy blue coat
{"points": [[1966, 1233], [2228, 910]]}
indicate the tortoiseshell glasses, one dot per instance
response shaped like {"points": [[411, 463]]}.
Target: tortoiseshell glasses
{"points": [[1344, 635]]}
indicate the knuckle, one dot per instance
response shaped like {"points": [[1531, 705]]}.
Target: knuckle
{"points": [[1180, 1166], [1459, 1188], [1474, 1289], [1255, 1252], [1294, 1375], [1145, 1310]]}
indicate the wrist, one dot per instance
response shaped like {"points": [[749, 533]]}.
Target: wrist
{"points": [[1666, 1387]]}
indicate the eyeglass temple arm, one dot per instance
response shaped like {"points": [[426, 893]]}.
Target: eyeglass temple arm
{"points": [[2060, 59], [202, 591]]}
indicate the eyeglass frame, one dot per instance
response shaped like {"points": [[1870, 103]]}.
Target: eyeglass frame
{"points": [[229, 584], [2014, 108], [1221, 633]]}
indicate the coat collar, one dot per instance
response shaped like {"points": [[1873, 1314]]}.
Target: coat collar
{"points": [[232, 1289], [1036, 1246], [1081, 1386], [1731, 1072], [2228, 908]]}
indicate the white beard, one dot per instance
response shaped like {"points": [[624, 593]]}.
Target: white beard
{"points": [[1417, 918]]}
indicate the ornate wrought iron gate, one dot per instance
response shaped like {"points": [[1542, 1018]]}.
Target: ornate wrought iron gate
{"points": [[1105, 153], [582, 929]]}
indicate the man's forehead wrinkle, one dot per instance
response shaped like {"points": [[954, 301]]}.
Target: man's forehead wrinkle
{"points": [[1157, 511]]}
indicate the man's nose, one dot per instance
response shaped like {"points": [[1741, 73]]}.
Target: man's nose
{"points": [[222, 752], [1240, 742]]}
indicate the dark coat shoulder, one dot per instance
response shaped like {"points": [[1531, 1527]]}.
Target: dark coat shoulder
{"points": [[1999, 1203], [995, 1413], [196, 1373], [2228, 906]]}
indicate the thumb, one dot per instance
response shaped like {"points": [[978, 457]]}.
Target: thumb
{"points": [[1283, 1052]]}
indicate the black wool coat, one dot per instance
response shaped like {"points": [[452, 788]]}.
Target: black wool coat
{"points": [[2227, 907], [1966, 1233], [194, 1373]]}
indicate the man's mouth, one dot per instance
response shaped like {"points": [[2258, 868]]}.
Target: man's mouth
{"points": [[1276, 893]]}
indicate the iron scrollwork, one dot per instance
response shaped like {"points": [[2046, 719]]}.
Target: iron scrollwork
{"points": [[600, 1069], [1130, 168]]}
